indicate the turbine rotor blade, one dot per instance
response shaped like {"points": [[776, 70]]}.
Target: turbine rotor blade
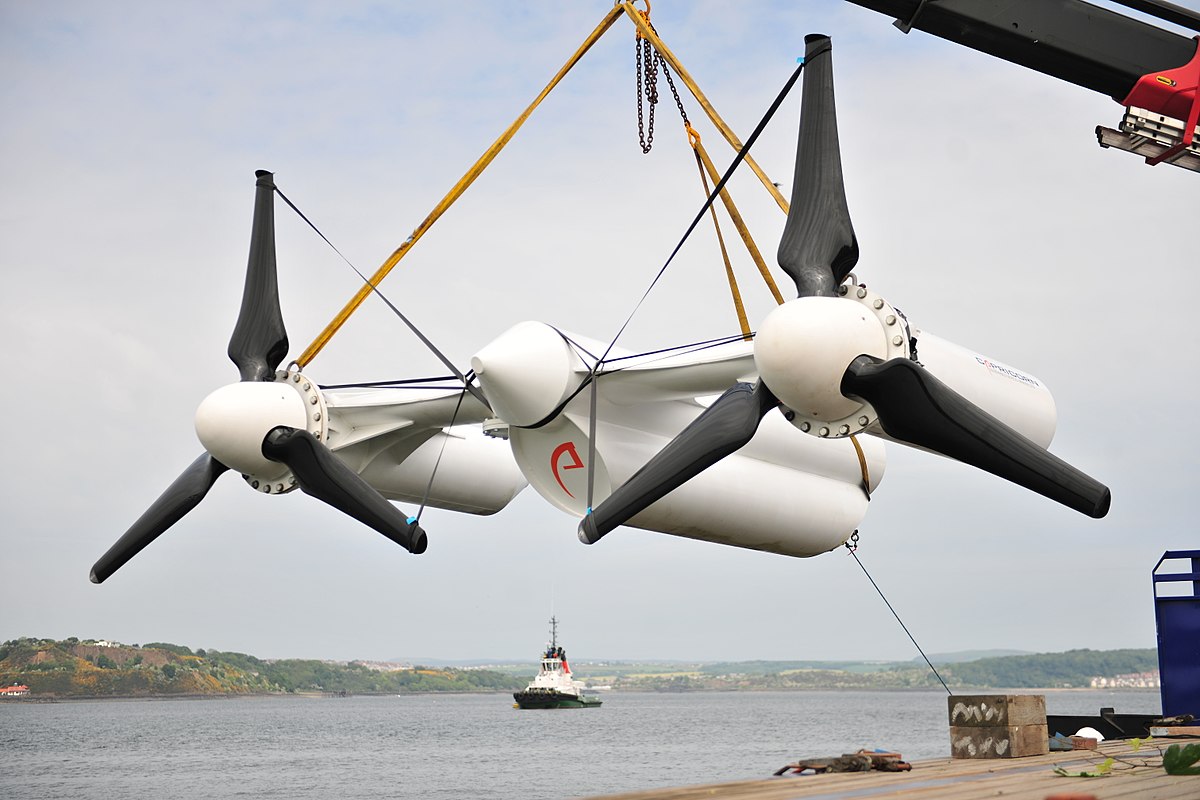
{"points": [[324, 476], [724, 427], [917, 408], [180, 497], [818, 247], [259, 341]]}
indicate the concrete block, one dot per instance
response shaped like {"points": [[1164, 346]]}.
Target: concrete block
{"points": [[1000, 741], [990, 710]]}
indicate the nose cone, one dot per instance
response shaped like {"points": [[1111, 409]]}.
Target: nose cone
{"points": [[804, 346], [526, 372], [232, 422]]}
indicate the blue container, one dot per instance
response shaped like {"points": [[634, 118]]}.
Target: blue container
{"points": [[1177, 617]]}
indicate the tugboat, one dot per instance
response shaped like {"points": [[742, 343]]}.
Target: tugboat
{"points": [[554, 687]]}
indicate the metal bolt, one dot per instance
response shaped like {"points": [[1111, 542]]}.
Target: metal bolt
{"points": [[312, 401], [317, 417], [844, 429], [804, 426], [897, 340], [863, 420], [254, 484], [789, 415], [296, 378], [842, 291], [823, 432], [279, 487], [890, 319], [306, 386], [861, 293]]}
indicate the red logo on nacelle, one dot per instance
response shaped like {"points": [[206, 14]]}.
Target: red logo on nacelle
{"points": [[566, 448]]}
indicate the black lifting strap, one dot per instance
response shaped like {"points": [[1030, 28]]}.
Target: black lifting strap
{"points": [[716, 192], [474, 390]]}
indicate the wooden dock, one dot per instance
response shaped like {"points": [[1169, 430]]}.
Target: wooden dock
{"points": [[1134, 776]]}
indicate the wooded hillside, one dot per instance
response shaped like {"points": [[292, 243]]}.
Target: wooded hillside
{"points": [[71, 668]]}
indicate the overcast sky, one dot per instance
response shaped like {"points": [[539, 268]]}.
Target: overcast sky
{"points": [[985, 210]]}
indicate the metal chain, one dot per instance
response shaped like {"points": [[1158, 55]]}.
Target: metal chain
{"points": [[649, 61], [645, 54], [674, 92]]}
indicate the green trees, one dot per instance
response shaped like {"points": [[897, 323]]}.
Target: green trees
{"points": [[1072, 669]]}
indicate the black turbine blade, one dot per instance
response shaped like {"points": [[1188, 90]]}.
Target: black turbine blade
{"points": [[916, 407], [179, 498], [259, 340], [725, 426], [324, 476], [818, 247]]}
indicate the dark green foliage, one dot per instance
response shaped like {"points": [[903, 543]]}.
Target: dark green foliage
{"points": [[1072, 669], [177, 649], [1182, 760], [240, 660], [297, 675]]}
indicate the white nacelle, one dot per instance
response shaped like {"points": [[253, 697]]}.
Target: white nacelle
{"points": [[527, 371], [474, 473], [1016, 398], [785, 492], [394, 438]]}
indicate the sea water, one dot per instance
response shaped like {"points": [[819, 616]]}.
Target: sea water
{"points": [[460, 746]]}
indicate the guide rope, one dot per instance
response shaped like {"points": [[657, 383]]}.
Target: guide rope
{"points": [[853, 548], [441, 452]]}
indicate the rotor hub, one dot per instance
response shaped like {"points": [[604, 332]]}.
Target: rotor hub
{"points": [[803, 347], [232, 422]]}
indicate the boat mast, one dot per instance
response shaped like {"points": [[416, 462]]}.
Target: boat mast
{"points": [[554, 633]]}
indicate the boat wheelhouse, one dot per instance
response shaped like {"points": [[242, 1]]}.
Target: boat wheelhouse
{"points": [[554, 686]]}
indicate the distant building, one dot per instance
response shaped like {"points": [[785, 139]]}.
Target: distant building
{"points": [[16, 690], [382, 666], [1132, 680]]}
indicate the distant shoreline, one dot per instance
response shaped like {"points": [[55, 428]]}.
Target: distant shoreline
{"points": [[50, 699], [102, 670]]}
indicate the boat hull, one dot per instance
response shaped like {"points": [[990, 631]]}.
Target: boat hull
{"points": [[532, 700]]}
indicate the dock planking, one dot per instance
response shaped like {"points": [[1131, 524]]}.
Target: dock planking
{"points": [[1135, 776]]}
